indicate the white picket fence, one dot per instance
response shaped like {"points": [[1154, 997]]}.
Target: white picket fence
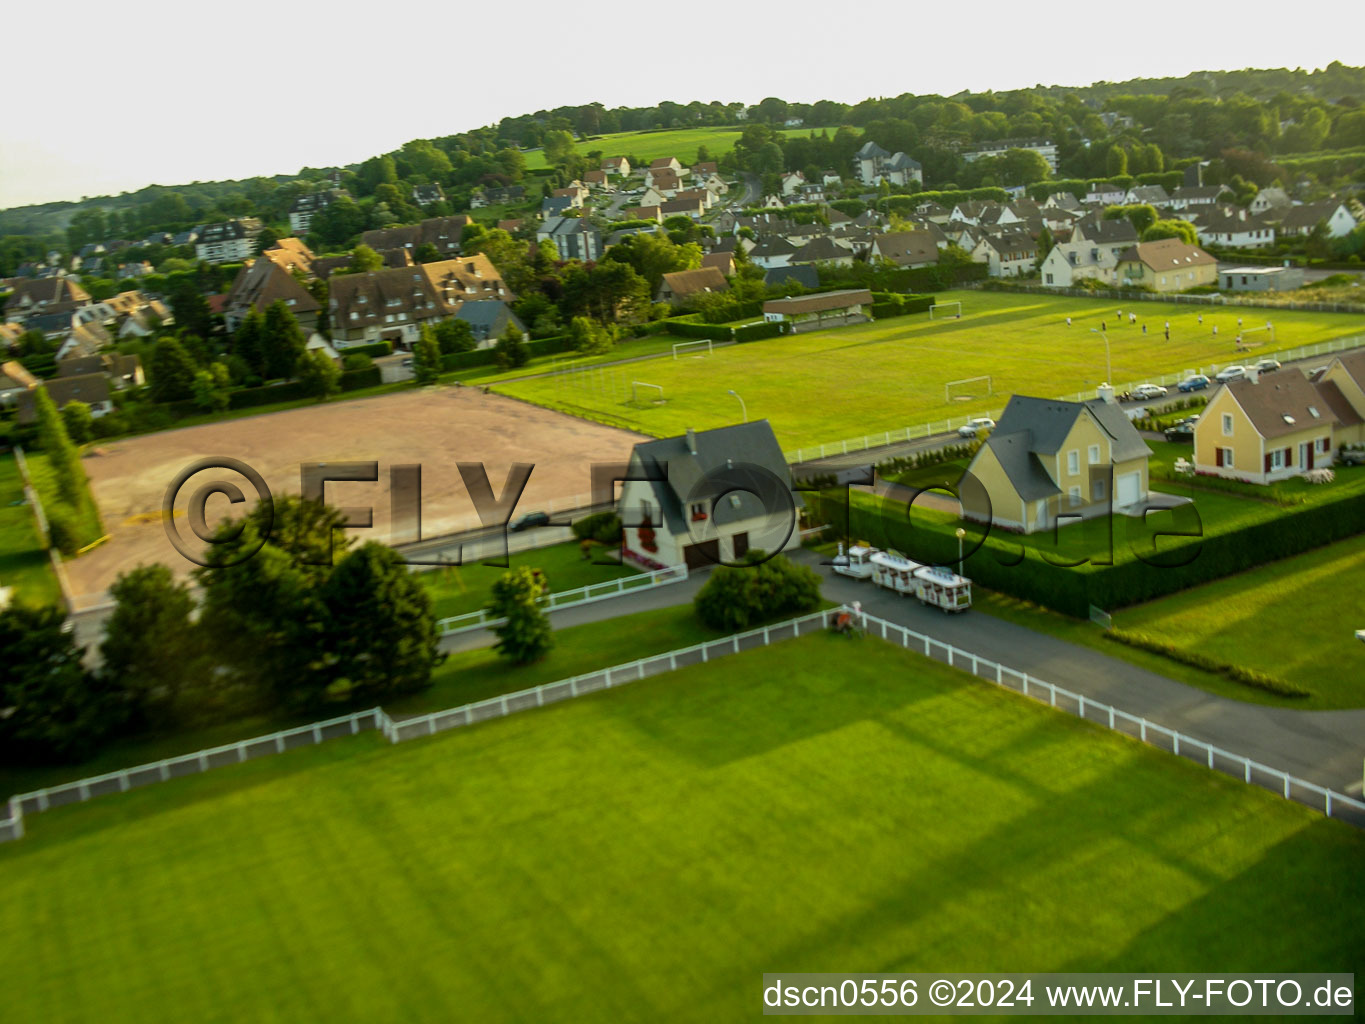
{"points": [[1331, 803], [607, 589], [927, 430]]}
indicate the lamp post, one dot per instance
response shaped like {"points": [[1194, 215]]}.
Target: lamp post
{"points": [[744, 410], [1108, 369], [960, 534]]}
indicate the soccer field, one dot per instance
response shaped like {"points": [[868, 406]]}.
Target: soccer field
{"points": [[646, 854], [830, 385]]}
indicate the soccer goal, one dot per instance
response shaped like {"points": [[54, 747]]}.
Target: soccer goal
{"points": [[966, 389], [1266, 327], [953, 309], [692, 346], [652, 392]]}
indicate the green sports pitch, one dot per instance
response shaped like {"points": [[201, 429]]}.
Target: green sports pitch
{"points": [[826, 386], [825, 804]]}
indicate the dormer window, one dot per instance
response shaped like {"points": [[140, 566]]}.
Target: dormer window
{"points": [[1313, 410], [698, 511]]}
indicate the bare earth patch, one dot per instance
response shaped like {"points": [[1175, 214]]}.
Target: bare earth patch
{"points": [[436, 428]]}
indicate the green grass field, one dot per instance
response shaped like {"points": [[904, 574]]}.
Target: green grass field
{"points": [[679, 142], [648, 853], [461, 589], [24, 563], [1295, 619], [829, 385]]}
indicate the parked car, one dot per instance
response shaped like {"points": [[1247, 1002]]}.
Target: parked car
{"points": [[1179, 432], [407, 363], [531, 520], [1352, 456], [1230, 373], [974, 427], [1267, 366], [1197, 382], [1149, 391]]}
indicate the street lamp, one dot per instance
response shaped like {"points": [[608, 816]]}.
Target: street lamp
{"points": [[744, 410], [1108, 369], [960, 534]]}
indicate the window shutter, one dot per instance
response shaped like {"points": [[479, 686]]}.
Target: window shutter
{"points": [[1267, 462], [1218, 460], [1289, 457]]}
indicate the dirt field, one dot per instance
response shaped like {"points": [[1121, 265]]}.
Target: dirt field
{"points": [[436, 428]]}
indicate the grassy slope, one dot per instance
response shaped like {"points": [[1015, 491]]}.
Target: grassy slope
{"points": [[457, 590], [679, 142], [24, 564], [890, 374], [648, 853]]}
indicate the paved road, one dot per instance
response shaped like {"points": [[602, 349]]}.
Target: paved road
{"points": [[1325, 747]]}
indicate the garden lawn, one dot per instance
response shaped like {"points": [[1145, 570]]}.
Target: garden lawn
{"points": [[679, 142], [24, 562], [1295, 619], [468, 588], [647, 853], [826, 386]]}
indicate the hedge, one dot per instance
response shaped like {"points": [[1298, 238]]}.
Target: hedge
{"points": [[488, 356], [949, 199], [693, 330], [889, 304], [377, 348], [1237, 673], [355, 380], [1073, 590], [758, 332]]}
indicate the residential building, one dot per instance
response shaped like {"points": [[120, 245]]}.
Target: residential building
{"points": [[229, 242], [306, 207], [122, 371], [1299, 221], [1152, 195], [874, 164], [488, 319], [999, 147], [33, 296], [425, 195], [573, 238], [1104, 193], [1071, 262], [1232, 227], [681, 285], [707, 497], [1270, 200], [442, 232], [508, 195], [1168, 265], [616, 165], [905, 248], [1117, 235], [1193, 196], [824, 309], [14, 380], [1010, 254], [394, 305], [1269, 427], [823, 252], [1048, 463], [722, 261], [262, 283], [92, 389]]}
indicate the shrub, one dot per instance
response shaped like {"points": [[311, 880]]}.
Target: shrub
{"points": [[1237, 673], [603, 527], [758, 332], [378, 348], [736, 597], [62, 531]]}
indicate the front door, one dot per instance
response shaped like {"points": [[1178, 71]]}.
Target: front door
{"points": [[741, 545], [1306, 455]]}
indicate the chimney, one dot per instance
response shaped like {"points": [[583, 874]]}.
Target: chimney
{"points": [[691, 440], [1253, 374], [1106, 392]]}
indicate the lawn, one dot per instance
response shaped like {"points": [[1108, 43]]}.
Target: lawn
{"points": [[649, 852], [468, 588], [1295, 619], [842, 383], [679, 142], [24, 562]]}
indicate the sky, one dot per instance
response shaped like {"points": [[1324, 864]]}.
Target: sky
{"points": [[167, 93]]}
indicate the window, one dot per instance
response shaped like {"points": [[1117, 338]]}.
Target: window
{"points": [[1073, 462], [1322, 445], [698, 511], [1227, 424], [1097, 490], [1225, 459], [1094, 454], [1277, 459], [1075, 495]]}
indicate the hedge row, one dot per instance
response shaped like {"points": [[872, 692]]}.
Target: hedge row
{"points": [[682, 329], [996, 562], [374, 349], [758, 332], [1237, 673], [488, 356]]}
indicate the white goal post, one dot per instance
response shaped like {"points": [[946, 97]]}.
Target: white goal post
{"points": [[636, 385], [944, 306], [684, 346], [948, 388]]}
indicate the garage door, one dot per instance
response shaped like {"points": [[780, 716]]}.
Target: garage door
{"points": [[699, 556], [1129, 489]]}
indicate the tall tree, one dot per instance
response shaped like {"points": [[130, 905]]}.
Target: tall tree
{"points": [[378, 627], [526, 636], [426, 358], [282, 340], [318, 374], [172, 371], [248, 342]]}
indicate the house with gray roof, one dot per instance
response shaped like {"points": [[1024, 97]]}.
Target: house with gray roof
{"points": [[1048, 463], [708, 497], [488, 319]]}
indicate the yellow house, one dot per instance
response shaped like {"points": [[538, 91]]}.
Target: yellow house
{"points": [[1343, 385], [1050, 462], [1268, 428], [1167, 265]]}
